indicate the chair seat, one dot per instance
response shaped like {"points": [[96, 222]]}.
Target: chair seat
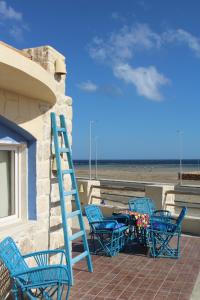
{"points": [[44, 277], [110, 226], [164, 227]]}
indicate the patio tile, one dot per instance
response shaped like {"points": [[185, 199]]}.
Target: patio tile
{"points": [[137, 277]]}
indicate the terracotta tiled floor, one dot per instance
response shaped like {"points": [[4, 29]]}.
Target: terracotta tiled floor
{"points": [[134, 275]]}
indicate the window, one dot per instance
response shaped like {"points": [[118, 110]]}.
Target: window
{"points": [[9, 182]]}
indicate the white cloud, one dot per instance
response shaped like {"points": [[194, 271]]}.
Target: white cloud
{"points": [[8, 12], [123, 44], [16, 32], [110, 90], [146, 80], [117, 17], [120, 48], [11, 21], [88, 86], [183, 37]]}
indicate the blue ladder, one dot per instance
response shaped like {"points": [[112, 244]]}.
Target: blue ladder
{"points": [[61, 133]]}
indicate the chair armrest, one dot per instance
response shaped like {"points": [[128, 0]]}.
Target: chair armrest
{"points": [[42, 257], [163, 226]]}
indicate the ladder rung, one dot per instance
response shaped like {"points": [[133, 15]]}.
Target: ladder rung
{"points": [[79, 257], [72, 192], [61, 129], [70, 171], [63, 150], [76, 235], [73, 214]]}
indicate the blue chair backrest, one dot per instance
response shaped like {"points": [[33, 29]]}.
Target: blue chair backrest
{"points": [[93, 213], [142, 205], [181, 216], [11, 256]]}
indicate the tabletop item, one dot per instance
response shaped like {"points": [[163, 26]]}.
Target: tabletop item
{"points": [[140, 220]]}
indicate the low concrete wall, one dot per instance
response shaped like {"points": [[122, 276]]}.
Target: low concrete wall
{"points": [[88, 194], [157, 192]]}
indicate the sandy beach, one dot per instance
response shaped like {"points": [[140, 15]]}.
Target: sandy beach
{"points": [[138, 173]]}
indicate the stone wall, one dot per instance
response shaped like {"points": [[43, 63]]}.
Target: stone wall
{"points": [[34, 116]]}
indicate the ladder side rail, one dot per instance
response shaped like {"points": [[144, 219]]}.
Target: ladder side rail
{"points": [[77, 200], [62, 197]]}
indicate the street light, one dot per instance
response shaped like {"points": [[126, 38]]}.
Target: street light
{"points": [[180, 155], [96, 144], [90, 152]]}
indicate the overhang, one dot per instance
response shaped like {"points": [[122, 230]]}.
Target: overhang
{"points": [[21, 75]]}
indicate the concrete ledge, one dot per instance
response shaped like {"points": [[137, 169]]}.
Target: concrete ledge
{"points": [[191, 225], [21, 75]]}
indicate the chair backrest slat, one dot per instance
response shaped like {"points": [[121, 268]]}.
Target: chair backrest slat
{"points": [[93, 213], [11, 256], [142, 205]]}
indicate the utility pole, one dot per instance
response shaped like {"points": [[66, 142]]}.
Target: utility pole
{"points": [[180, 155], [96, 160], [90, 151]]}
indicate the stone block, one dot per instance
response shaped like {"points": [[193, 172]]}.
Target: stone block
{"points": [[87, 192], [157, 192]]}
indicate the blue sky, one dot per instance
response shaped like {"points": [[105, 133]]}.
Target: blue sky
{"points": [[133, 68]]}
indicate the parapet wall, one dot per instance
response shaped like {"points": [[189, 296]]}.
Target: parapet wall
{"points": [[162, 194]]}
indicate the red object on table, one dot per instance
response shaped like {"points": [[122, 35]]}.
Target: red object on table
{"points": [[141, 220]]}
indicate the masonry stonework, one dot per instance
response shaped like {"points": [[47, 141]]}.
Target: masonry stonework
{"points": [[34, 116]]}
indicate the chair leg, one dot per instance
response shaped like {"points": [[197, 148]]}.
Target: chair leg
{"points": [[15, 294], [15, 291], [67, 295]]}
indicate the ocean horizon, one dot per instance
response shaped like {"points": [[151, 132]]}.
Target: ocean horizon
{"points": [[138, 162]]}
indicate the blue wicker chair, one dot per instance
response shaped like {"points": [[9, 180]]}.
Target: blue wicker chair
{"points": [[142, 205], [110, 235], [147, 206], [43, 281], [164, 237]]}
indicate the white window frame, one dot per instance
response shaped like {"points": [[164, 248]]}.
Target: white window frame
{"points": [[17, 179]]}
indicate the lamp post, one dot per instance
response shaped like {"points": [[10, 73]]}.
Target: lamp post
{"points": [[180, 155], [90, 151], [96, 144]]}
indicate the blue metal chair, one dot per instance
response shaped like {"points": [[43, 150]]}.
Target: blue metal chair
{"points": [[43, 281], [142, 205], [147, 206], [164, 237], [110, 234]]}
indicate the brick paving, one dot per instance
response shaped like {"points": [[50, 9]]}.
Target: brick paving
{"points": [[135, 275]]}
